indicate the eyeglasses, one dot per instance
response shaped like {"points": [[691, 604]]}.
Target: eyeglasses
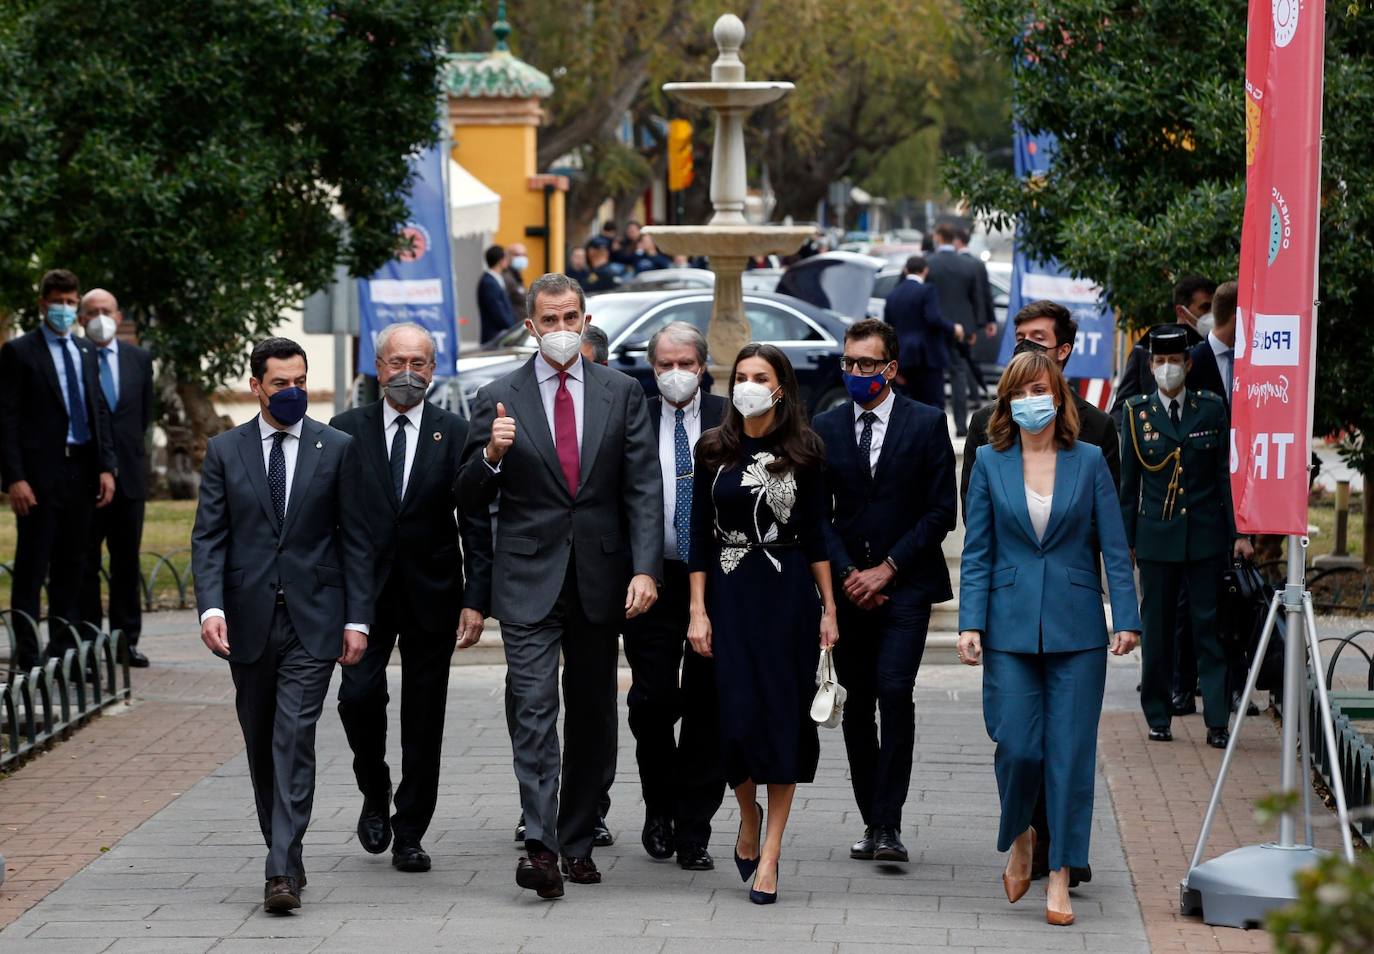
{"points": [[414, 364], [862, 365]]}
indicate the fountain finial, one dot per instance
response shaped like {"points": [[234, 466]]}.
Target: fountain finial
{"points": [[729, 34], [501, 28]]}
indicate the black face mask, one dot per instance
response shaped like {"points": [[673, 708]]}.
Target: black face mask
{"points": [[1026, 346]]}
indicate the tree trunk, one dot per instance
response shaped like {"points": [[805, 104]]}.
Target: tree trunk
{"points": [[189, 420], [1366, 497]]}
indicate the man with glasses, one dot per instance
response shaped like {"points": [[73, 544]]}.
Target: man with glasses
{"points": [[890, 470], [411, 451]]}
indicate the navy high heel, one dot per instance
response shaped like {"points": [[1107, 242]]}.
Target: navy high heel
{"points": [[764, 897], [747, 866]]}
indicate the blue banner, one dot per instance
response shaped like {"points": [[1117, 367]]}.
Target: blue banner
{"points": [[1034, 280], [417, 285]]}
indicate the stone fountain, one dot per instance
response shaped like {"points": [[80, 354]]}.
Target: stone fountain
{"points": [[728, 240]]}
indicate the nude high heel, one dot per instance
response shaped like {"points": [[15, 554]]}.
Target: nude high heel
{"points": [[1016, 888]]}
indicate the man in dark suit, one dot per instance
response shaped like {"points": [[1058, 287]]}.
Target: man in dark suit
{"points": [[579, 548], [682, 780], [1192, 303], [890, 471], [923, 335], [282, 562], [961, 283], [1214, 358], [410, 451], [57, 462], [493, 303], [126, 381]]}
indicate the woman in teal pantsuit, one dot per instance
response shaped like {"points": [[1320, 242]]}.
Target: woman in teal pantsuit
{"points": [[1040, 509]]}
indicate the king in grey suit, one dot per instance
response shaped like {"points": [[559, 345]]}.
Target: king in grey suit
{"points": [[284, 588], [579, 548]]}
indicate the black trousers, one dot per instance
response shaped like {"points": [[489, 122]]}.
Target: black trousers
{"points": [[1185, 657], [876, 660], [279, 698], [51, 548], [120, 528], [681, 777], [363, 698], [1160, 584]]}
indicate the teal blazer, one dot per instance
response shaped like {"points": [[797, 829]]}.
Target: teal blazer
{"points": [[1026, 595]]}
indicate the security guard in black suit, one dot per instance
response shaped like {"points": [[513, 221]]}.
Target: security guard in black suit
{"points": [[1176, 502]]}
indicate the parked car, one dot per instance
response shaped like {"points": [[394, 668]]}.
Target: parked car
{"points": [[670, 279], [839, 281], [812, 338]]}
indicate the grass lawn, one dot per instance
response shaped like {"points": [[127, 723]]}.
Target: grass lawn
{"points": [[1321, 514]]}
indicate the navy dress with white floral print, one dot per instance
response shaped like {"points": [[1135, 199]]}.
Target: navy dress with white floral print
{"points": [[755, 534]]}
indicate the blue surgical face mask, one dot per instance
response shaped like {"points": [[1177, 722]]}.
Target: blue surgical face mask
{"points": [[1033, 414], [61, 318], [864, 387], [287, 406]]}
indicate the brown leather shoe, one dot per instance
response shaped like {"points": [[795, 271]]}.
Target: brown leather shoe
{"points": [[1058, 918], [539, 873], [581, 870], [281, 894], [1016, 888]]}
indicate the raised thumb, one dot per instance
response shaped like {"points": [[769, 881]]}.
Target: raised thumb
{"points": [[500, 409]]}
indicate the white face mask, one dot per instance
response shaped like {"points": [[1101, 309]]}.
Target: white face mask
{"points": [[101, 329], [1169, 376], [1205, 324], [520, 263], [752, 399], [678, 385], [560, 347]]}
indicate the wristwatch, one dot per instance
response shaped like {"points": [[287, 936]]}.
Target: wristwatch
{"points": [[844, 574]]}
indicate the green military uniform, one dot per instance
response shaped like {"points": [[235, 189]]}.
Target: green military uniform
{"points": [[1176, 503]]}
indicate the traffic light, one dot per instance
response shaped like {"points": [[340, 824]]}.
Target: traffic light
{"points": [[679, 155]]}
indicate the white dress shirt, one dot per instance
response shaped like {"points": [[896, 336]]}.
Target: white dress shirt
{"points": [[290, 448], [389, 417], [667, 462], [1169, 403], [547, 376], [1224, 355], [884, 412]]}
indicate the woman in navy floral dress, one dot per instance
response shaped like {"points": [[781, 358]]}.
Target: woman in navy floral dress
{"points": [[761, 600]]}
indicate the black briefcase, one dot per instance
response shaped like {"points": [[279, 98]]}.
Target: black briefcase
{"points": [[1244, 604]]}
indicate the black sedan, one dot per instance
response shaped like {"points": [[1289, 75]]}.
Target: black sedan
{"points": [[812, 338]]}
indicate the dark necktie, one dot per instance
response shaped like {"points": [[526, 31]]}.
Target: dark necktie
{"points": [[76, 408], [682, 512], [1173, 413], [107, 377], [276, 476], [565, 433], [398, 457], [866, 439], [1230, 355]]}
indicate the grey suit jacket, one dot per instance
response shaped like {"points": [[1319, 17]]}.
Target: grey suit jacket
{"points": [[614, 527], [320, 558]]}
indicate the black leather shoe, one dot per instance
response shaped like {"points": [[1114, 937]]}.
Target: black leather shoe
{"points": [[1183, 704], [658, 837], [136, 659], [862, 850], [1079, 876], [887, 845], [601, 835], [539, 873], [520, 829], [1217, 738], [1160, 733], [281, 894], [581, 870], [695, 858], [374, 824], [409, 856]]}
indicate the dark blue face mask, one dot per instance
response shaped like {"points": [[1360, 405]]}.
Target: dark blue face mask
{"points": [[287, 406], [864, 387]]}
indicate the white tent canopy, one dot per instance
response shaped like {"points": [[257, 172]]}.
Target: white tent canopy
{"points": [[473, 208]]}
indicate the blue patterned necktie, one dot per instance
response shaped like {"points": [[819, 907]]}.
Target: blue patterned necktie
{"points": [[398, 457], [76, 408], [866, 439], [682, 512], [276, 476], [107, 377]]}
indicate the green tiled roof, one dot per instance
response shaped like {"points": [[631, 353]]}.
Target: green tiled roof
{"points": [[495, 75]]}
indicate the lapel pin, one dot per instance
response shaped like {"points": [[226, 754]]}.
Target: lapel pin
{"points": [[438, 437], [319, 445]]}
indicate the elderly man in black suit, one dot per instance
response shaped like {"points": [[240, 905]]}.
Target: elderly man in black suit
{"points": [[282, 562], [411, 451], [890, 473], [923, 335], [961, 282], [682, 779], [126, 381], [57, 462], [567, 447]]}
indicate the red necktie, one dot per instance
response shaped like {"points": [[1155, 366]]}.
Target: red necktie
{"points": [[565, 433]]}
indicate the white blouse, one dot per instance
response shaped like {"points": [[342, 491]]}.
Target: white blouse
{"points": [[1039, 507]]}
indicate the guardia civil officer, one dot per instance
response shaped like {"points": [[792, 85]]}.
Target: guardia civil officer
{"points": [[1176, 503]]}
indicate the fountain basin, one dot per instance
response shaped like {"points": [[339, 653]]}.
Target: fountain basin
{"points": [[742, 95], [729, 241]]}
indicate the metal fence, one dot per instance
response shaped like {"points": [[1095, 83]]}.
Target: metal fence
{"points": [[48, 701], [1352, 715], [172, 567]]}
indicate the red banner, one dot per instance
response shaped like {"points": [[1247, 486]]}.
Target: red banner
{"points": [[1275, 356]]}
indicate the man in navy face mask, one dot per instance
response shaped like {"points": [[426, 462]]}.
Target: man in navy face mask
{"points": [[283, 572], [890, 470]]}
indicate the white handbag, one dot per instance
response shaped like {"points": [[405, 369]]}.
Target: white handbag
{"points": [[828, 705]]}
